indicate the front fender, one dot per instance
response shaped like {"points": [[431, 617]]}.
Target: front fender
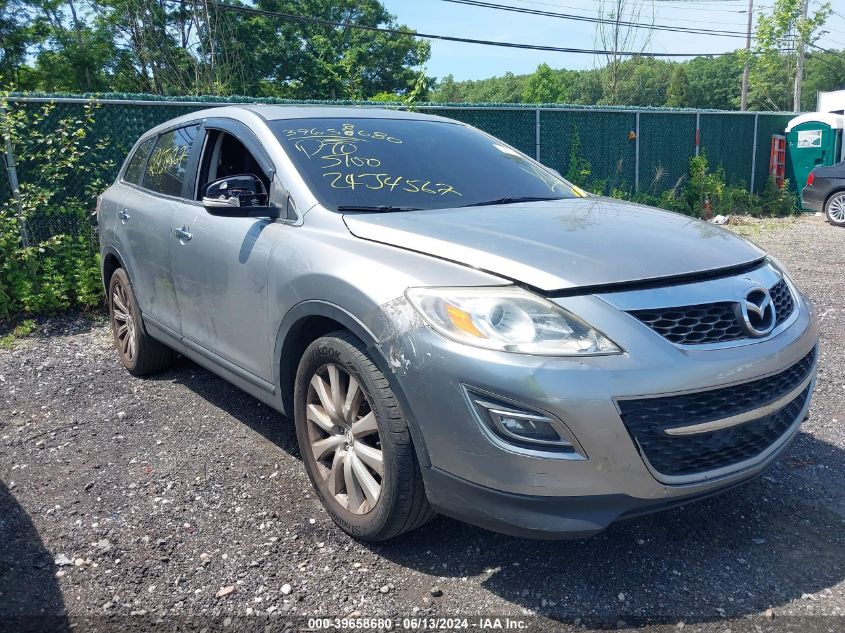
{"points": [[311, 308]]}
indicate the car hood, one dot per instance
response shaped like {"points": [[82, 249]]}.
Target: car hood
{"points": [[562, 244]]}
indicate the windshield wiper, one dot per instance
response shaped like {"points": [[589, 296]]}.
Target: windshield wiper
{"points": [[511, 200], [383, 208]]}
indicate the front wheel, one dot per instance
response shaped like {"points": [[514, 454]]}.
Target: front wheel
{"points": [[834, 209], [140, 354], [355, 443]]}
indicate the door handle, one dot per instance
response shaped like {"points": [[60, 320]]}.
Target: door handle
{"points": [[183, 234], [124, 216]]}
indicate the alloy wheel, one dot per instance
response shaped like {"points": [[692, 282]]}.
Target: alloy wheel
{"points": [[124, 324], [344, 438], [836, 208]]}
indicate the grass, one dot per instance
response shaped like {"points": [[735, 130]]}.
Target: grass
{"points": [[21, 330]]}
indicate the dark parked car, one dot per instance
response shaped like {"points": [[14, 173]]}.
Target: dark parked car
{"points": [[825, 192]]}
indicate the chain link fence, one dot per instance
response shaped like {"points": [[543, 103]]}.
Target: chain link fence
{"points": [[628, 150], [666, 143]]}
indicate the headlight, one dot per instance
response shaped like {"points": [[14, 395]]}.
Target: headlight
{"points": [[508, 319]]}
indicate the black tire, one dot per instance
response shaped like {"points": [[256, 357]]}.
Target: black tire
{"points": [[834, 208], [142, 355], [402, 505]]}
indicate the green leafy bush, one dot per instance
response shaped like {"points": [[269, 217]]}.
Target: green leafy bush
{"points": [[777, 201], [703, 186], [61, 271], [579, 170], [691, 193]]}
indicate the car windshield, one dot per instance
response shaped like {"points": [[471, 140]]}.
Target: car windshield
{"points": [[368, 164]]}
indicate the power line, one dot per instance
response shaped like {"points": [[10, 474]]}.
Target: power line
{"points": [[707, 7], [710, 2], [594, 20], [664, 19], [830, 41], [822, 49], [758, 8], [291, 17]]}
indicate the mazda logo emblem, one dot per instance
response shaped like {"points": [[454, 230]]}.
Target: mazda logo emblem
{"points": [[757, 312]]}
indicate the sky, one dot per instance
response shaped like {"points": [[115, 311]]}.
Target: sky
{"points": [[469, 61]]}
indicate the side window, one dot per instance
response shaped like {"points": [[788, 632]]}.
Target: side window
{"points": [[224, 155], [166, 167], [135, 168]]}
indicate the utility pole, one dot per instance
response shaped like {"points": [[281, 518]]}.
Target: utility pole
{"points": [[211, 35], [745, 71], [615, 69], [799, 66]]}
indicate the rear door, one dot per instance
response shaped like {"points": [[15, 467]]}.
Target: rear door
{"points": [[220, 264], [144, 222]]}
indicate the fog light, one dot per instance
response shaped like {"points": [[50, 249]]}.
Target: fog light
{"points": [[532, 428], [522, 426]]}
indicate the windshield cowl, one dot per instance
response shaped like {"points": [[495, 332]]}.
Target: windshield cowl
{"points": [[512, 200]]}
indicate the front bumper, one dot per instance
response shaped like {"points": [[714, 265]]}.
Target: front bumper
{"points": [[471, 475], [543, 517]]}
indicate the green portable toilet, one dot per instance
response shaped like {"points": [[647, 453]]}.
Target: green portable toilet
{"points": [[813, 139]]}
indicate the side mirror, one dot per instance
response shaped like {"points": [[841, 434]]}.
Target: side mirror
{"points": [[238, 196]]}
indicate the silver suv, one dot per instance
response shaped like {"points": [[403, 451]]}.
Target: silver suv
{"points": [[451, 325]]}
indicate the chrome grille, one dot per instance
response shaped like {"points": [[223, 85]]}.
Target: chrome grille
{"points": [[646, 418], [710, 322]]}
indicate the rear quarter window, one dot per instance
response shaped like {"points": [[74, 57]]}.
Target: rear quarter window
{"points": [[166, 168], [135, 169]]}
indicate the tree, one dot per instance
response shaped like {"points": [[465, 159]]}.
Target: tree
{"points": [[448, 90], [642, 81], [508, 89], [587, 87], [76, 61], [199, 47], [616, 34], [824, 71], [543, 86], [677, 96], [771, 88], [714, 82], [21, 30], [316, 61], [790, 27]]}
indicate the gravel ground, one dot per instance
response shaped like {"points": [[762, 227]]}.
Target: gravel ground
{"points": [[181, 496]]}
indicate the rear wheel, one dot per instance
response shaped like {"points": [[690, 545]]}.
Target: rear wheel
{"points": [[834, 209], [355, 443], [140, 354]]}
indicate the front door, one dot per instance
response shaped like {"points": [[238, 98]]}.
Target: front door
{"points": [[220, 266]]}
